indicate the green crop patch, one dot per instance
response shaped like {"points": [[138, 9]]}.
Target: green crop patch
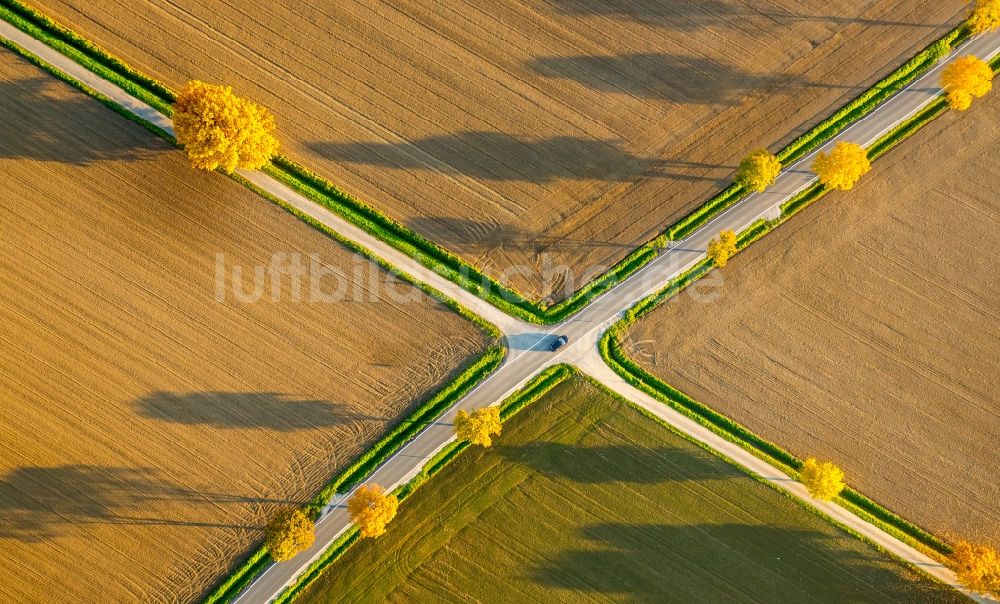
{"points": [[584, 496]]}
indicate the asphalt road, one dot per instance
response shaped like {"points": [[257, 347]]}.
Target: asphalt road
{"points": [[528, 353], [527, 350]]}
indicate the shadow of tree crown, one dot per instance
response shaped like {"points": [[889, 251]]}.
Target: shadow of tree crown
{"points": [[263, 410], [34, 131]]}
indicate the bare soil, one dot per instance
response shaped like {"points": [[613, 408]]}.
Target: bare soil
{"points": [[148, 429], [865, 330], [528, 136]]}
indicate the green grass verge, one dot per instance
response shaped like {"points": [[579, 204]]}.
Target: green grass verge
{"points": [[531, 392], [428, 253], [401, 433]]}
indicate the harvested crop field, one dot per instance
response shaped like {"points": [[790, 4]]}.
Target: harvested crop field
{"points": [[583, 498], [533, 135], [148, 428], [865, 330]]}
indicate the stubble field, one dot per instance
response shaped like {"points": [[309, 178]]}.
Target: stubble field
{"points": [[865, 330], [149, 430], [533, 134], [582, 498]]}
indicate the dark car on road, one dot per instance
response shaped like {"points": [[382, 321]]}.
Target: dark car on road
{"points": [[558, 343]]}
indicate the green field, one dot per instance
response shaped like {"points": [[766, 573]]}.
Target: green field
{"points": [[582, 498]]}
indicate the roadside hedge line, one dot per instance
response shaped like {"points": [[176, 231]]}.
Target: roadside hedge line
{"points": [[799, 502], [428, 253], [874, 96], [531, 392], [857, 108]]}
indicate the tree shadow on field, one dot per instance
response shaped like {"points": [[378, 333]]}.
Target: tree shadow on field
{"points": [[39, 503], [40, 122], [488, 234], [497, 156], [675, 78], [614, 463], [660, 563], [262, 410], [691, 15]]}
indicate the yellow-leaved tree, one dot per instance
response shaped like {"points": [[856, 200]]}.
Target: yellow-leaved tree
{"points": [[977, 567], [371, 508], [221, 130], [964, 79], [289, 532], [758, 170], [722, 249], [478, 426], [985, 16], [843, 167], [823, 480]]}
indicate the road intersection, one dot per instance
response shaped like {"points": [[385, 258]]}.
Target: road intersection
{"points": [[528, 352]]}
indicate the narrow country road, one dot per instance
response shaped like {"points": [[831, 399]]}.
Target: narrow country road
{"points": [[527, 343]]}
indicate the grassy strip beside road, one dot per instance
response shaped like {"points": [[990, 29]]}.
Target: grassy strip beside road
{"points": [[428, 253], [422, 416], [531, 392], [77, 84]]}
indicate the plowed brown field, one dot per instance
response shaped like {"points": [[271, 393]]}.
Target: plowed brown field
{"points": [[148, 430], [867, 330], [526, 135]]}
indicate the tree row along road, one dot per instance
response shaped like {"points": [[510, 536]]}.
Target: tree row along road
{"points": [[527, 344]]}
